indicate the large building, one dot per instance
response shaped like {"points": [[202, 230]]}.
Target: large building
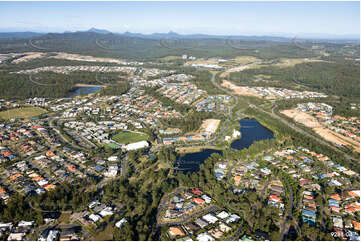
{"points": [[137, 145]]}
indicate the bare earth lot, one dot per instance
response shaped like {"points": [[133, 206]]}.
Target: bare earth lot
{"points": [[301, 117], [329, 135], [243, 91], [210, 125], [77, 57], [234, 69], [29, 56]]}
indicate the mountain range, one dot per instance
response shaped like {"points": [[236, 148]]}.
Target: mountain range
{"points": [[174, 35]]}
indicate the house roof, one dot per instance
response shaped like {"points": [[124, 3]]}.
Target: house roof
{"points": [[356, 225], [335, 196], [175, 231]]}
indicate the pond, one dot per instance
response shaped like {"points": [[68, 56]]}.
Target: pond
{"points": [[251, 131], [191, 161], [84, 91]]}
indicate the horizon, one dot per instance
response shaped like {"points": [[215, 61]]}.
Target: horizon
{"points": [[335, 19]]}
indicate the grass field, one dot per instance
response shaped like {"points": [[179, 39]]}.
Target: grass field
{"points": [[170, 57], [129, 137], [243, 60], [27, 112]]}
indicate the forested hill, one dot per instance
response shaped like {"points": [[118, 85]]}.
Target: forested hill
{"points": [[138, 46]]}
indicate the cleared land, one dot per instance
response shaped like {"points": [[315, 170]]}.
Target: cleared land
{"points": [[282, 63], [303, 118], [201, 61], [286, 62], [243, 91], [171, 57], [210, 125], [67, 56], [129, 137], [27, 112], [29, 56], [329, 135], [243, 60], [234, 69]]}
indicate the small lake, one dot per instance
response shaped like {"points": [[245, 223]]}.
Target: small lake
{"points": [[191, 161], [251, 131], [84, 91]]}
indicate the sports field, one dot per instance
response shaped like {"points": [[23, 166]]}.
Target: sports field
{"points": [[27, 112], [129, 137]]}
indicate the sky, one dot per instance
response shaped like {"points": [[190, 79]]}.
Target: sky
{"points": [[222, 18]]}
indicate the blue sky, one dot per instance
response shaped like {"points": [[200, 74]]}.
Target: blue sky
{"points": [[238, 18]]}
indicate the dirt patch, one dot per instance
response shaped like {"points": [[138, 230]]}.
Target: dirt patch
{"points": [[243, 60], [303, 118], [234, 69], [29, 56], [243, 91], [292, 62], [337, 138], [210, 125], [329, 135], [76, 57]]}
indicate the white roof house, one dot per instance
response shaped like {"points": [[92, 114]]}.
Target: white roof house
{"points": [[94, 217], [106, 212], [223, 215], [16, 236], [206, 198], [204, 237], [337, 222], [52, 235], [210, 218], [120, 223], [25, 223], [113, 158], [232, 218], [6, 225]]}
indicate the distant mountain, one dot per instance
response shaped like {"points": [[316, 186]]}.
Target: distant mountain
{"points": [[99, 31], [20, 35], [174, 35]]}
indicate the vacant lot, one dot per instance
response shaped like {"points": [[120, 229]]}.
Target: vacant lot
{"points": [[129, 137], [210, 125], [301, 117], [243, 60], [67, 56], [329, 135], [29, 56], [292, 62], [171, 57], [27, 112], [234, 69], [243, 91]]}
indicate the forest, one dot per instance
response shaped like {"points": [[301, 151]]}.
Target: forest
{"points": [[55, 85], [341, 78], [138, 48]]}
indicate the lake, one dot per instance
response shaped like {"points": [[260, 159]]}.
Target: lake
{"points": [[84, 91], [191, 161], [251, 131]]}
